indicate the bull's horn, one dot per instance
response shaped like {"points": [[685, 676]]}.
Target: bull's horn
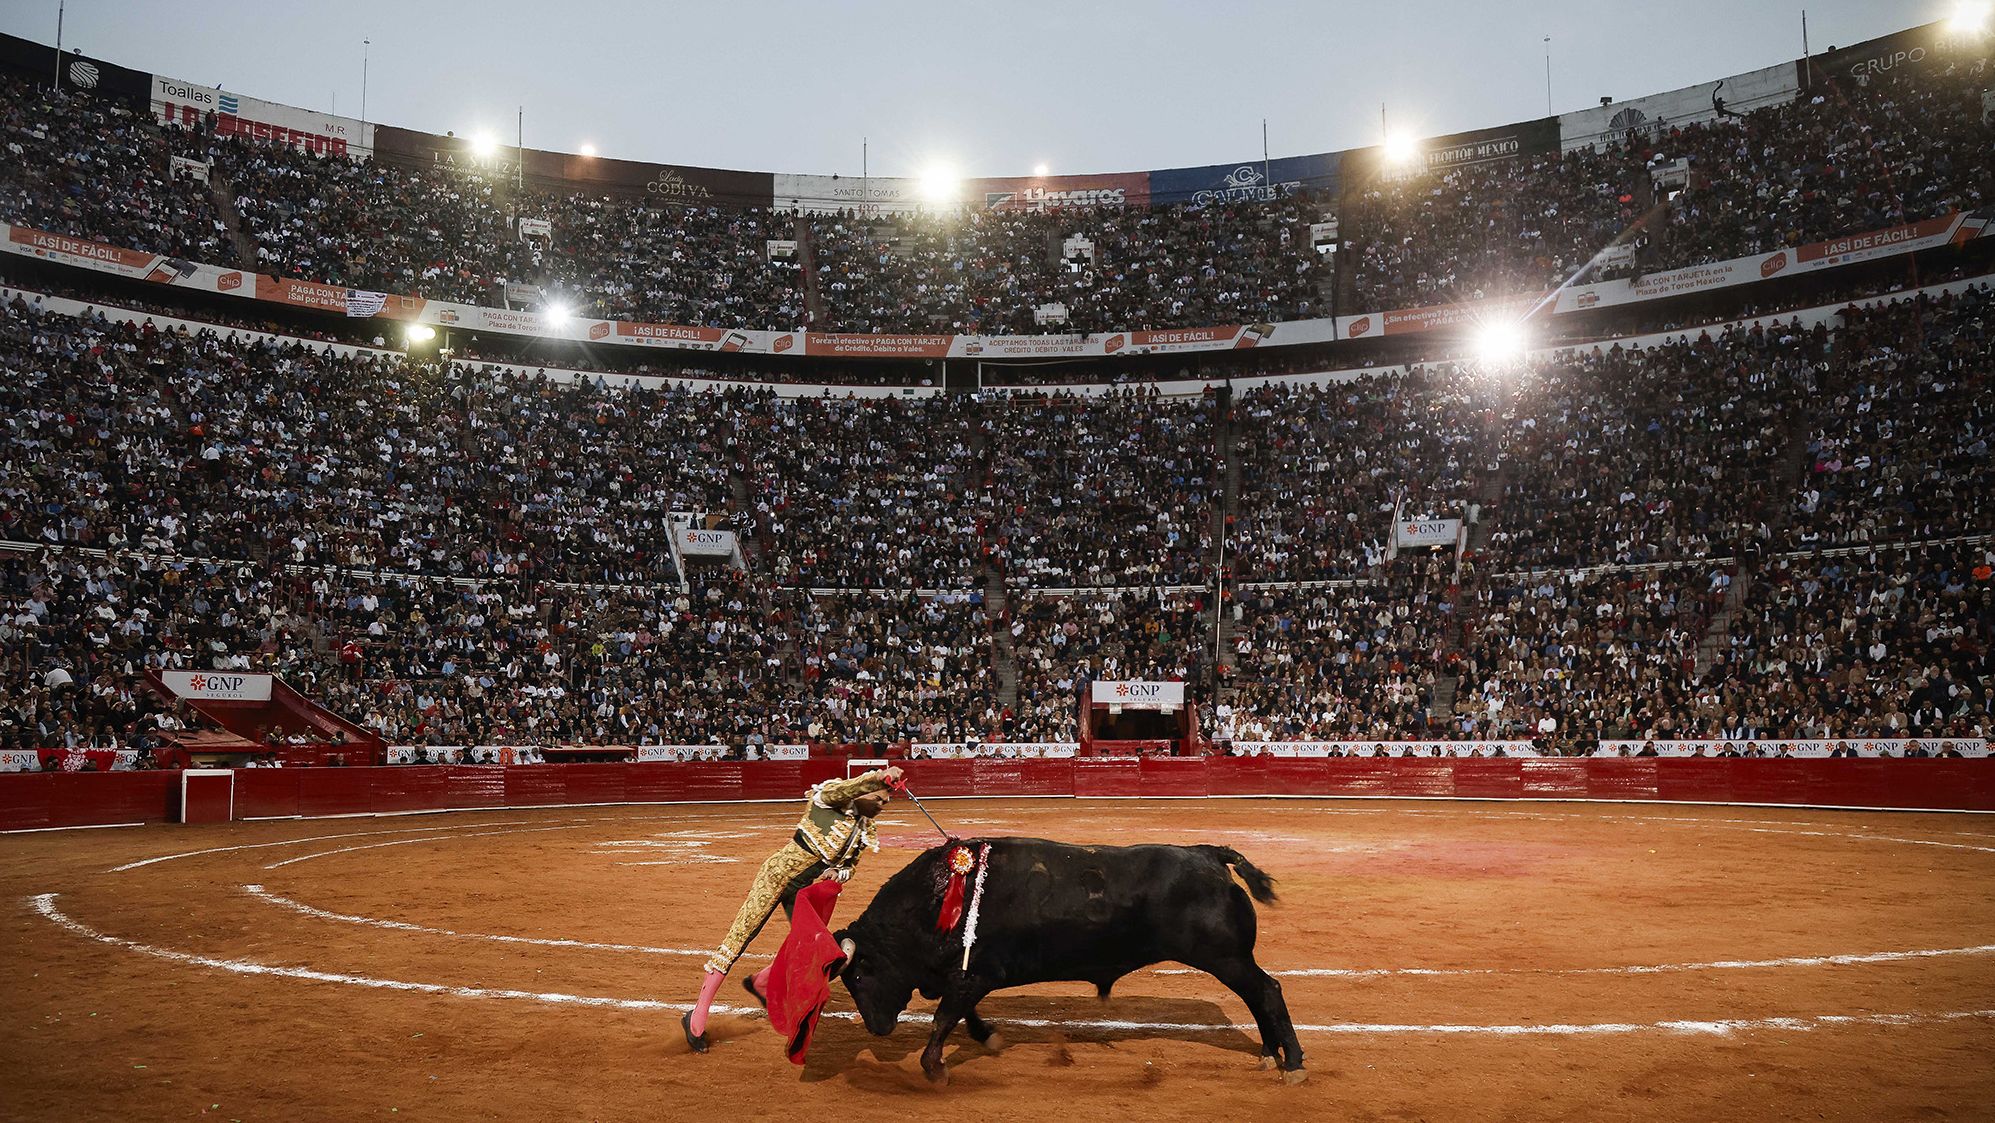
{"points": [[848, 947]]}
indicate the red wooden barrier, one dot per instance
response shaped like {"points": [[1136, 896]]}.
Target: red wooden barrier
{"points": [[1107, 776], [59, 799]]}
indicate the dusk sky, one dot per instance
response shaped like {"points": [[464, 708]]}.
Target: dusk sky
{"points": [[983, 90]]}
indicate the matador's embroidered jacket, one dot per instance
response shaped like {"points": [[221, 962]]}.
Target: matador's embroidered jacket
{"points": [[830, 830]]}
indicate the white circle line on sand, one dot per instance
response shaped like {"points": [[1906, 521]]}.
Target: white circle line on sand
{"points": [[1634, 969], [45, 905], [142, 862], [426, 838], [262, 894]]}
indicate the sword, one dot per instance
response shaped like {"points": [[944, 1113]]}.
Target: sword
{"points": [[903, 789]]}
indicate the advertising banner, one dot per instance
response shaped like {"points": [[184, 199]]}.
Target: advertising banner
{"points": [[832, 194], [1246, 181], [1014, 750], [1867, 246], [1058, 192], [80, 73], [1138, 694], [680, 752], [188, 104], [1427, 532], [1932, 46], [1458, 150], [1384, 748], [664, 184], [699, 543], [1835, 746], [218, 686], [879, 346], [1403, 321], [1742, 93]]}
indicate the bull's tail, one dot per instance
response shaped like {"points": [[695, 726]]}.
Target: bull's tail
{"points": [[1259, 885]]}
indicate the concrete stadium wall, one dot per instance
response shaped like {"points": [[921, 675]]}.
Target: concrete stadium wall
{"points": [[41, 801]]}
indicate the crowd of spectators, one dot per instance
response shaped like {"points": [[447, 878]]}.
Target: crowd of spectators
{"points": [[850, 492], [1110, 491], [1674, 452], [1570, 658], [92, 168], [1063, 643], [449, 555], [1886, 642], [1345, 661], [1104, 268], [1852, 156], [1903, 451], [1324, 470], [1844, 157]]}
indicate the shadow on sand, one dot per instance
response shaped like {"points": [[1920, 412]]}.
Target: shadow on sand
{"points": [[841, 1040]]}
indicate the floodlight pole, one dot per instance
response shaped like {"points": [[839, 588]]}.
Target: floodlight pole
{"points": [[60, 5], [1267, 181], [364, 45], [1548, 76]]}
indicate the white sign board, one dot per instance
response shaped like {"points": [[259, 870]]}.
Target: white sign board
{"points": [[218, 686], [1151, 694], [1427, 532], [706, 543]]}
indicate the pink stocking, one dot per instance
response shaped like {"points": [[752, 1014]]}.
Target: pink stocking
{"points": [[709, 987]]}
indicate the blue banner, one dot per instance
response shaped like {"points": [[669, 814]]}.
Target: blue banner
{"points": [[1246, 180]]}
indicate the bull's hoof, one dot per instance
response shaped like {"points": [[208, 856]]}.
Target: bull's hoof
{"points": [[995, 1042], [1296, 1075], [1267, 1061], [938, 1076]]}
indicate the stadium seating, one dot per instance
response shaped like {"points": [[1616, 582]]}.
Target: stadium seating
{"points": [[452, 555]]}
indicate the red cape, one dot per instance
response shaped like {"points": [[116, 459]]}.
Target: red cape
{"points": [[800, 979]]}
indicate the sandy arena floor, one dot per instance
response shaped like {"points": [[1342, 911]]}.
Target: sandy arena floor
{"points": [[1441, 961]]}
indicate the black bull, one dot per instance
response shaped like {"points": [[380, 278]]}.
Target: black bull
{"points": [[1051, 912]]}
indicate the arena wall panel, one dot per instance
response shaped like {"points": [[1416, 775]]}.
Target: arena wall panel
{"points": [[1488, 779], [1023, 777], [409, 789], [467, 786], [1698, 780], [63, 799], [1107, 777], [25, 801], [332, 791], [1555, 778], [267, 793], [539, 785], [1621, 779], [942, 777], [1173, 777], [776, 779], [1421, 776], [1358, 775], [80, 799]]}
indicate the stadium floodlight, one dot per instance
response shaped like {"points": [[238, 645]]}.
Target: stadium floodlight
{"points": [[1501, 342], [419, 334], [1041, 170], [1970, 17], [1401, 148], [484, 145], [556, 313], [588, 149], [938, 186]]}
